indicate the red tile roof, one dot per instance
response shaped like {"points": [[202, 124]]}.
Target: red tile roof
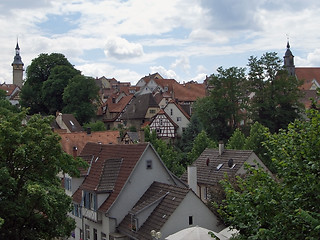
{"points": [[307, 74], [189, 92], [9, 88], [120, 159], [80, 139]]}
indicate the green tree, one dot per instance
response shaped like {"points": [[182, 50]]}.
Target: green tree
{"points": [[221, 112], [275, 99], [168, 154], [95, 126], [200, 143], [81, 98], [237, 140], [32, 203], [191, 132], [286, 207], [37, 73], [53, 88]]}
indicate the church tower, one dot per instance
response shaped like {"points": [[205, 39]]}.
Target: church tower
{"points": [[288, 61], [17, 66]]}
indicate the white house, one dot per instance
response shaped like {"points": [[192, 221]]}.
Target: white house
{"points": [[178, 115], [117, 178]]}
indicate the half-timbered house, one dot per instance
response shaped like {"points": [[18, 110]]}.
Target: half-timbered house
{"points": [[164, 126]]}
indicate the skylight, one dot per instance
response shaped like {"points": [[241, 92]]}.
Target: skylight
{"points": [[219, 166]]}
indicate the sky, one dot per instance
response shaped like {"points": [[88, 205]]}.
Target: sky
{"points": [[180, 39]]}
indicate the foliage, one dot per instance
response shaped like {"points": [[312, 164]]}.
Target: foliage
{"points": [[32, 203], [81, 98], [191, 132], [167, 153], [95, 126], [237, 140], [200, 143], [53, 88], [262, 207], [275, 101], [37, 73], [221, 112]]}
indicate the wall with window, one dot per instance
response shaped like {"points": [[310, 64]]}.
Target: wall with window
{"points": [[186, 216]]}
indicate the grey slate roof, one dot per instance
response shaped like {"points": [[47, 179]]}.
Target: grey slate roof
{"points": [[167, 197], [109, 175], [139, 107], [209, 174]]}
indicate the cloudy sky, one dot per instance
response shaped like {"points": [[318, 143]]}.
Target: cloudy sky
{"points": [[181, 39]]}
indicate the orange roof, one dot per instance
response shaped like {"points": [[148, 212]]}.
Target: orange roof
{"points": [[80, 139], [189, 92], [118, 106], [308, 74], [8, 88]]}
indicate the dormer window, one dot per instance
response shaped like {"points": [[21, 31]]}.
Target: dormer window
{"points": [[134, 223]]}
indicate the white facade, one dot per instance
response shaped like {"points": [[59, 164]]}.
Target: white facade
{"points": [[177, 116]]}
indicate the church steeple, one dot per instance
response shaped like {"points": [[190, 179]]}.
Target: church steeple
{"points": [[17, 66], [289, 61]]}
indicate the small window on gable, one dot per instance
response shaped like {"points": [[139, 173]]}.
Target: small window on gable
{"points": [[178, 119], [190, 220], [171, 111], [149, 164]]}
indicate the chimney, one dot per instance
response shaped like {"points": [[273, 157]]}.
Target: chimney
{"points": [[75, 151], [221, 147], [192, 178], [141, 136], [88, 130]]}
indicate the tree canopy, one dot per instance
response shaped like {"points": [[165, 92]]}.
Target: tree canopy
{"points": [[275, 94], [285, 207], [33, 205], [81, 98], [222, 111], [38, 72]]}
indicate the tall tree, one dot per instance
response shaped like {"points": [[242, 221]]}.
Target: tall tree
{"points": [[286, 207], [275, 98], [81, 98], [53, 88], [37, 73], [32, 203], [222, 111]]}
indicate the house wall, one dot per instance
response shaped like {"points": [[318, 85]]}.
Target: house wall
{"points": [[175, 114], [191, 206], [139, 181], [150, 115], [253, 160]]}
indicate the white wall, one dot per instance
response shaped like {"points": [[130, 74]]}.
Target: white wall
{"points": [[201, 214], [177, 113], [138, 183]]}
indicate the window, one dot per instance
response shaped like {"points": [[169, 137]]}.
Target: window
{"points": [[190, 220], [149, 164], [67, 183], [158, 130], [76, 210], [219, 166], [183, 130], [95, 234], [207, 194], [161, 122], [87, 232], [178, 119], [103, 236], [90, 201], [165, 88], [71, 123], [171, 111], [134, 223], [152, 111]]}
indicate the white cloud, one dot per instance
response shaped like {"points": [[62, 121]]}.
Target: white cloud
{"points": [[199, 77], [182, 62], [121, 49], [169, 74]]}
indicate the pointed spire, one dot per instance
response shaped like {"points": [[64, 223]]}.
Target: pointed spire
{"points": [[288, 45]]}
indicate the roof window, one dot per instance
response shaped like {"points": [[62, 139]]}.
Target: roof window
{"points": [[219, 166]]}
